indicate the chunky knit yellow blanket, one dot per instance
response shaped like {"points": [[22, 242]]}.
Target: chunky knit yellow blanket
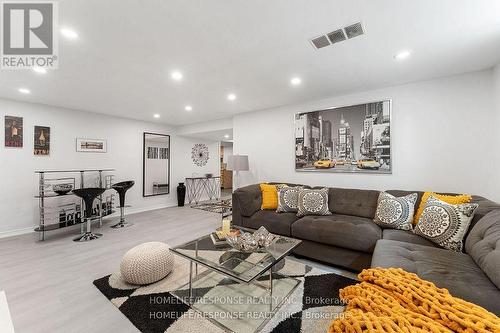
{"points": [[393, 300]]}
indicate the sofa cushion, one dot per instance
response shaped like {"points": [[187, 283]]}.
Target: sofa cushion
{"points": [[451, 199], [269, 194], [454, 271], [313, 202], [353, 202], [288, 199], [406, 236], [395, 212], [485, 205], [402, 193], [277, 223], [445, 224], [350, 232], [483, 245]]}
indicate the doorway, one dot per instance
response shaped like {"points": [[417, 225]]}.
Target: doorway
{"points": [[226, 150]]}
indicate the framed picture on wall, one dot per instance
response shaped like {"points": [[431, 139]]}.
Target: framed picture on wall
{"points": [[13, 131], [354, 139], [91, 145], [41, 140]]}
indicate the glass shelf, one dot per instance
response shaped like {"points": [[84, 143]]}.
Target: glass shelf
{"points": [[51, 219], [55, 195], [60, 225]]}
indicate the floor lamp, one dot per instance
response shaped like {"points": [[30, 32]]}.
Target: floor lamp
{"points": [[237, 163]]}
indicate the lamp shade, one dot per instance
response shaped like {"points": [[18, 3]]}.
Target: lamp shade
{"points": [[237, 163]]}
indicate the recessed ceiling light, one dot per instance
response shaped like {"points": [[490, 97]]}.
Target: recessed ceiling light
{"points": [[296, 81], [402, 55], [188, 108], [231, 97], [226, 136], [24, 91], [68, 33], [176, 75], [156, 115], [40, 70]]}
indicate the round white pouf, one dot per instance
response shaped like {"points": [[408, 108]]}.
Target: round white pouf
{"points": [[147, 263]]}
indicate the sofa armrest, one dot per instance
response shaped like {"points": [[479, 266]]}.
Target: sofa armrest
{"points": [[246, 202]]}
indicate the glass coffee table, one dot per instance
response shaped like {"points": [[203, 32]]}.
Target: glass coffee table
{"points": [[237, 291]]}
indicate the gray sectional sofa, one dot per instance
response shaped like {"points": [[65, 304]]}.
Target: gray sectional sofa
{"points": [[349, 238]]}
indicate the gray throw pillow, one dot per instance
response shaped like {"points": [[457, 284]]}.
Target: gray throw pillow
{"points": [[445, 224], [395, 212], [288, 199], [313, 202]]}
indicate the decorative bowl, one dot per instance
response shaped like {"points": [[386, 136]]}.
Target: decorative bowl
{"points": [[247, 242], [62, 189]]}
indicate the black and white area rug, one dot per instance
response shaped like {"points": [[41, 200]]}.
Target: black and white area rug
{"points": [[310, 308], [223, 207]]}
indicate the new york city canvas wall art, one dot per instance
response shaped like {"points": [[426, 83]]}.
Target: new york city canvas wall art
{"points": [[354, 139], [13, 131]]}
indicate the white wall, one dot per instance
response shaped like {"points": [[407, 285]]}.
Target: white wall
{"points": [[19, 209], [496, 131], [443, 138], [496, 92]]}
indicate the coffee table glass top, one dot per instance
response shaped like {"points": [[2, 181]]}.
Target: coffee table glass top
{"points": [[241, 266]]}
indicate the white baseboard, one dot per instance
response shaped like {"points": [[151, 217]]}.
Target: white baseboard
{"points": [[128, 211], [16, 232]]}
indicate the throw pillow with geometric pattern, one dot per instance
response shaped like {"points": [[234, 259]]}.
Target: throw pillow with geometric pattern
{"points": [[445, 224], [313, 202], [288, 199], [395, 213]]}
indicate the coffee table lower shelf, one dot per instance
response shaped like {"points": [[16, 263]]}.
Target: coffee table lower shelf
{"points": [[237, 306]]}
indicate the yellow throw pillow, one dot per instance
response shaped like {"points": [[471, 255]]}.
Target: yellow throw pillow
{"points": [[451, 199], [270, 196]]}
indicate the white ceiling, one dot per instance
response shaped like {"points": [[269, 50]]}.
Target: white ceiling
{"points": [[121, 63]]}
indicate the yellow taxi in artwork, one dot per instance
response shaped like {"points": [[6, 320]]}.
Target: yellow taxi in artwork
{"points": [[368, 163], [324, 163]]}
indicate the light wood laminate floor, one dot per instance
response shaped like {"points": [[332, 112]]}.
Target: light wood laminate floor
{"points": [[49, 284]]}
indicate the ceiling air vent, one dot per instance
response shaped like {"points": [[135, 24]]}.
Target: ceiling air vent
{"points": [[336, 36], [354, 30], [320, 42]]}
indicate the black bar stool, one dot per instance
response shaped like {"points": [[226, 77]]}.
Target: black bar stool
{"points": [[88, 195], [122, 188]]}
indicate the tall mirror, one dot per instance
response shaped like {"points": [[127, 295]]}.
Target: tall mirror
{"points": [[156, 164]]}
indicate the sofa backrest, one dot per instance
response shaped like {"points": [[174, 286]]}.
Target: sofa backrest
{"points": [[345, 201], [485, 207], [362, 203], [483, 245]]}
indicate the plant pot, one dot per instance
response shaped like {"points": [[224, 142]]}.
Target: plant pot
{"points": [[181, 194]]}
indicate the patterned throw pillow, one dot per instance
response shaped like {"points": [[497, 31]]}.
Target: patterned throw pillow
{"points": [[288, 199], [270, 195], [395, 213], [445, 224], [313, 202], [451, 199]]}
